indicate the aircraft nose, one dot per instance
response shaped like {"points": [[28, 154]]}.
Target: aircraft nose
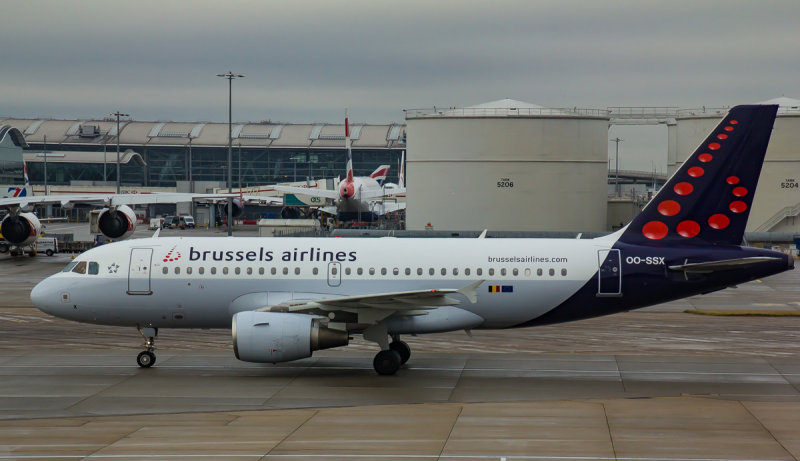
{"points": [[43, 297]]}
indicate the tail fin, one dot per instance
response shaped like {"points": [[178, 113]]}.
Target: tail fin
{"points": [[347, 147], [708, 199], [402, 179], [380, 174]]}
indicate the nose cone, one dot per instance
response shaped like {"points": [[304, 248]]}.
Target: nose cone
{"points": [[44, 297]]}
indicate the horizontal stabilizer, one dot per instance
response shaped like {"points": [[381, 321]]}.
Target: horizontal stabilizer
{"points": [[725, 265]]}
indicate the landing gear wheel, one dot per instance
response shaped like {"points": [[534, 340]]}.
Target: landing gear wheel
{"points": [[387, 362], [146, 359], [401, 348]]}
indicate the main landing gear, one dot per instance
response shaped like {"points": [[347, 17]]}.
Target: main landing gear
{"points": [[392, 356], [147, 358]]}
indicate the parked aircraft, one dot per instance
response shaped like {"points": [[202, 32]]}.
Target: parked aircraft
{"points": [[356, 194], [287, 297]]}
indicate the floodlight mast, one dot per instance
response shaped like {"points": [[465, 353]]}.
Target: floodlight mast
{"points": [[230, 76]]}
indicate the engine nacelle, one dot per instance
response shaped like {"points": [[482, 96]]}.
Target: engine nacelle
{"points": [[21, 230], [271, 337], [238, 208], [117, 224]]}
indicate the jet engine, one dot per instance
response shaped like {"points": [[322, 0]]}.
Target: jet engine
{"points": [[271, 337], [117, 223], [22, 229], [238, 208]]}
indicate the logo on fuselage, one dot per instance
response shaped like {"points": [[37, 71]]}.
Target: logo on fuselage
{"points": [[170, 257]]}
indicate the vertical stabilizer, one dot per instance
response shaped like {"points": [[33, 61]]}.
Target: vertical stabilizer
{"points": [[708, 199]]}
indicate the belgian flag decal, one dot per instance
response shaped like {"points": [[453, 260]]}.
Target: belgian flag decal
{"points": [[501, 288]]}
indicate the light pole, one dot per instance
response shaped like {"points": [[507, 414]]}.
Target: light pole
{"points": [[45, 166], [230, 76], [616, 172], [118, 114]]}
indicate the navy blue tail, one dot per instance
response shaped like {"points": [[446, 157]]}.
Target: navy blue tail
{"points": [[708, 199]]}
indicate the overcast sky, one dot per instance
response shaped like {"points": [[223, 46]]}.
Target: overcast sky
{"points": [[304, 61]]}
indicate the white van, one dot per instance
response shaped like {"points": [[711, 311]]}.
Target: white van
{"points": [[47, 245]]}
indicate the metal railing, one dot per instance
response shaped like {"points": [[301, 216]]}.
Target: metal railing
{"points": [[504, 112]]}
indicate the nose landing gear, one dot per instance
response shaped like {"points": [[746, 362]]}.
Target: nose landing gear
{"points": [[147, 358]]}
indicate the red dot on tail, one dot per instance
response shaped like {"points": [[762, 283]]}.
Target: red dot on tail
{"points": [[705, 158], [734, 122], [719, 221], [722, 136], [738, 206], [688, 229], [728, 128], [165, 259], [655, 230], [739, 191], [696, 171], [732, 180], [683, 188], [669, 208], [714, 146]]}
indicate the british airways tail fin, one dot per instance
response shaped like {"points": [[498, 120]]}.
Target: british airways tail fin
{"points": [[708, 199], [402, 179], [380, 174], [347, 147]]}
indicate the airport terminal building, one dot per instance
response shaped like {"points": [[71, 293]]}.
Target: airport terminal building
{"points": [[160, 154]]}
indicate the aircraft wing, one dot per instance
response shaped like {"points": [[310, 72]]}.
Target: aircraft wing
{"points": [[388, 207], [386, 303], [379, 193], [326, 193]]}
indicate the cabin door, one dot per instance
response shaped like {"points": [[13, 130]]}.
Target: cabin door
{"points": [[139, 271], [609, 274], [334, 274]]}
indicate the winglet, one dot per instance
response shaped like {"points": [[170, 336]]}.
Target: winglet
{"points": [[471, 291], [155, 234], [483, 234]]}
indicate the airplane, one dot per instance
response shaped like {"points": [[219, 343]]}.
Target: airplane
{"points": [[355, 193], [284, 298]]}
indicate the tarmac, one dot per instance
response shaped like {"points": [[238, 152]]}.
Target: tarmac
{"points": [[653, 384]]}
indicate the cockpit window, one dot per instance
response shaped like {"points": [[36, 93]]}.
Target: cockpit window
{"points": [[94, 268], [80, 267], [69, 266]]}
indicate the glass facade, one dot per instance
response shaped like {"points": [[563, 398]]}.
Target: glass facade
{"points": [[251, 165]]}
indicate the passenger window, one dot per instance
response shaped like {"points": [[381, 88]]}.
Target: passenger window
{"points": [[408, 271], [396, 271], [334, 271], [371, 271], [466, 271], [225, 270], [165, 270], [564, 272], [237, 270], [383, 271], [296, 271], [80, 268], [419, 271], [189, 270], [273, 271], [503, 272], [455, 271], [213, 270], [360, 271], [315, 271], [527, 272], [201, 270], [249, 271], [552, 272], [260, 271], [515, 272], [347, 271], [539, 272], [431, 271], [177, 270], [94, 268], [285, 271], [491, 271], [444, 271], [479, 271]]}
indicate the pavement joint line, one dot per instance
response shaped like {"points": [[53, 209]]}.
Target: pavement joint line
{"points": [[766, 429], [379, 456]]}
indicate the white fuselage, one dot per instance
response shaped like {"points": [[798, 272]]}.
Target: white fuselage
{"points": [[202, 282]]}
